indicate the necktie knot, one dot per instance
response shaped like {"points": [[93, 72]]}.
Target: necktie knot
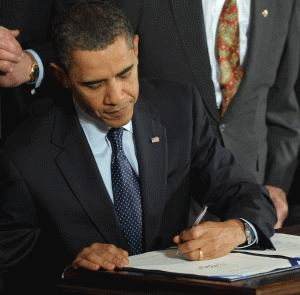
{"points": [[115, 136]]}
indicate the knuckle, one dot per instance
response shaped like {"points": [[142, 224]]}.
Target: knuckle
{"points": [[94, 246], [84, 252], [111, 248], [194, 233], [5, 66], [87, 251]]}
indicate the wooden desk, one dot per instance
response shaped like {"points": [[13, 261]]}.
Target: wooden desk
{"points": [[125, 283]]}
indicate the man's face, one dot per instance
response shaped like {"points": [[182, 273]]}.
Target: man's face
{"points": [[105, 82]]}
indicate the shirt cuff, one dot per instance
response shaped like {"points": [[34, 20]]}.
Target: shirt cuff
{"points": [[253, 233], [41, 67]]}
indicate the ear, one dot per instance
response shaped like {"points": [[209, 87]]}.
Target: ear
{"points": [[135, 42], [60, 74]]}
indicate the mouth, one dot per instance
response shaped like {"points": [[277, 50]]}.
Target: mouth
{"points": [[119, 112]]}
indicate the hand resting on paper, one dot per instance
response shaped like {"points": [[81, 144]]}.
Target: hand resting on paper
{"points": [[210, 239], [104, 256]]}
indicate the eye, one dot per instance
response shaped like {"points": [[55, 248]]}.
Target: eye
{"points": [[125, 75], [95, 85]]}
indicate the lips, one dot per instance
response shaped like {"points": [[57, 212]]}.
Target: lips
{"points": [[118, 112]]}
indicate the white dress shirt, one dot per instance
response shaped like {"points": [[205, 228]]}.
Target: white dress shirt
{"points": [[211, 11]]}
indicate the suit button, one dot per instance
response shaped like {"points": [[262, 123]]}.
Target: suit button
{"points": [[222, 127]]}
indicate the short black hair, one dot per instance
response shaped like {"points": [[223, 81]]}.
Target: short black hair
{"points": [[88, 25]]}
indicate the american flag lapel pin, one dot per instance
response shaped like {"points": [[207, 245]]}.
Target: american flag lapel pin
{"points": [[155, 139]]}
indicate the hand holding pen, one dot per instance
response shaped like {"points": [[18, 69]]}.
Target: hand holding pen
{"points": [[209, 239]]}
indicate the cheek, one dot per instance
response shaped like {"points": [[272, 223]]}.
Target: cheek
{"points": [[132, 88], [95, 104], [91, 101]]}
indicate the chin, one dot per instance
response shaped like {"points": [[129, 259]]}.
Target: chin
{"points": [[117, 124]]}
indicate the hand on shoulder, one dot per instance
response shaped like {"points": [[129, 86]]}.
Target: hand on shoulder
{"points": [[15, 64]]}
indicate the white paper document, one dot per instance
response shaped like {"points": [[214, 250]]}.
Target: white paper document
{"points": [[235, 266]]}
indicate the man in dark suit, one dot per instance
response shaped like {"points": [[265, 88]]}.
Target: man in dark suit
{"points": [[25, 52], [58, 192], [261, 125]]}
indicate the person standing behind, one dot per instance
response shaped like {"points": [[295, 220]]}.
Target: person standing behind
{"points": [[259, 122], [25, 52]]}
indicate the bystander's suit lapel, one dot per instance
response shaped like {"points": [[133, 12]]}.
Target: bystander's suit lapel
{"points": [[78, 166], [260, 29], [259, 37], [192, 34], [193, 37]]}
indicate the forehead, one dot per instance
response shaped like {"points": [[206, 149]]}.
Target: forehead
{"points": [[106, 63]]}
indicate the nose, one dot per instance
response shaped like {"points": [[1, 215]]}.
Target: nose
{"points": [[113, 93]]}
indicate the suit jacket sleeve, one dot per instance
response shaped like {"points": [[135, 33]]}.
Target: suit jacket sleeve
{"points": [[44, 48], [283, 112], [18, 223], [232, 193], [33, 18]]}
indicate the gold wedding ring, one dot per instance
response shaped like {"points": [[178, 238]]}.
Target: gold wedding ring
{"points": [[200, 254]]}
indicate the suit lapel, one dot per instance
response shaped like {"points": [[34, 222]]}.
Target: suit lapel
{"points": [[151, 146], [193, 39], [260, 30], [78, 166]]}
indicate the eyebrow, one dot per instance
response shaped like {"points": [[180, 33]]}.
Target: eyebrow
{"points": [[88, 83]]}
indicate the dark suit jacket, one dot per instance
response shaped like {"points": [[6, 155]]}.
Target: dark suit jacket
{"points": [[33, 19], [293, 196], [261, 127], [54, 202]]}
